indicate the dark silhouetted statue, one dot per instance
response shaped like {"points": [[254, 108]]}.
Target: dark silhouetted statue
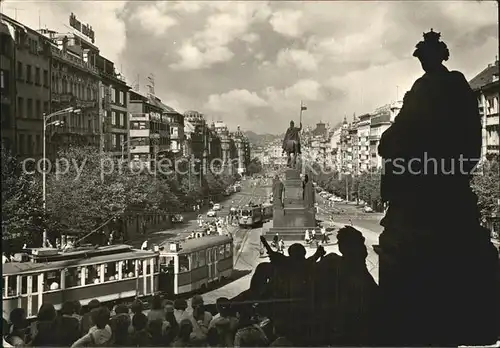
{"points": [[278, 189], [291, 144], [308, 193], [438, 267]]}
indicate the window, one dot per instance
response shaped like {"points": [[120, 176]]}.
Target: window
{"points": [[92, 274], [102, 92], [30, 143], [21, 144], [12, 286], [45, 78], [124, 119], [128, 269], [24, 285], [52, 280], [34, 286], [111, 271], [29, 78], [38, 109], [20, 107], [194, 259], [46, 107], [183, 263], [38, 77], [72, 277], [228, 250], [114, 142], [2, 79], [201, 258], [113, 118], [113, 95], [221, 252], [29, 107], [20, 70], [121, 98]]}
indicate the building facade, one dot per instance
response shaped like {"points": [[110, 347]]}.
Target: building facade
{"points": [[149, 133], [363, 135], [113, 99], [380, 122], [177, 137], [486, 85], [26, 66]]}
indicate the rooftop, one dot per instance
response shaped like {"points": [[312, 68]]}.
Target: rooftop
{"points": [[485, 77]]}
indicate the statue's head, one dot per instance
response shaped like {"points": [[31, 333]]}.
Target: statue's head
{"points": [[292, 124], [297, 251], [431, 52]]}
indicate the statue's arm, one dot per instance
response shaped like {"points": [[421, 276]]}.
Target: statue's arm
{"points": [[300, 128]]}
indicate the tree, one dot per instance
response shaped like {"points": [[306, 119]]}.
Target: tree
{"points": [[485, 184], [369, 189], [23, 219], [254, 167]]}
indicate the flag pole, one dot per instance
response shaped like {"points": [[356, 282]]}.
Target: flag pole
{"points": [[300, 119]]}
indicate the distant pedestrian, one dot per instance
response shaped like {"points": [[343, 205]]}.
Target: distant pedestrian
{"points": [[307, 237]]}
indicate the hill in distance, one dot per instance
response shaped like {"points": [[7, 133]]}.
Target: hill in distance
{"points": [[261, 139]]}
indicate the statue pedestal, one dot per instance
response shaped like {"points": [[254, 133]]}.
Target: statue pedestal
{"points": [[291, 221]]}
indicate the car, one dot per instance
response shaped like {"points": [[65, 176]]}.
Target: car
{"points": [[211, 213], [368, 209], [217, 207], [177, 218]]}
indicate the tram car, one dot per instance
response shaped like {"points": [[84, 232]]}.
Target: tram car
{"points": [[107, 273], [267, 212], [195, 263], [251, 216]]}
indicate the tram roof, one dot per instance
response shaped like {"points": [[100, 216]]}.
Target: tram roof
{"points": [[11, 268], [196, 244]]}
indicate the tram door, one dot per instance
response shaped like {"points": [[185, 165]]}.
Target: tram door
{"points": [[212, 264], [166, 278]]}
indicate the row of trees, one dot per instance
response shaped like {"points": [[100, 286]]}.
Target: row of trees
{"points": [[87, 190], [254, 167], [366, 187]]}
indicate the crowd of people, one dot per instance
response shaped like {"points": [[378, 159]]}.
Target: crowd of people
{"points": [[167, 323]]}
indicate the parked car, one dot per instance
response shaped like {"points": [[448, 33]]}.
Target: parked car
{"points": [[177, 218], [211, 213], [367, 209], [216, 207]]}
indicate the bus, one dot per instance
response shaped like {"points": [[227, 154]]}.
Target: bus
{"points": [[251, 216], [48, 275], [193, 264]]}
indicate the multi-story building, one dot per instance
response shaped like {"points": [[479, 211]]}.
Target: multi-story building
{"points": [[25, 87], [335, 149], [380, 122], [176, 123], [242, 151], [149, 134], [363, 135], [74, 82], [113, 97], [486, 86], [222, 132], [353, 146], [196, 135]]}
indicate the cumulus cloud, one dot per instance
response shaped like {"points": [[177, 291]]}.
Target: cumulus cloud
{"points": [[300, 59], [287, 22], [251, 62], [152, 18]]}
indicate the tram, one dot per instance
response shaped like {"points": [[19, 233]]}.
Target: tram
{"points": [[267, 212], [251, 216], [106, 273], [195, 263]]}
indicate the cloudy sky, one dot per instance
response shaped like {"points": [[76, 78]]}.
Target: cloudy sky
{"points": [[251, 63]]}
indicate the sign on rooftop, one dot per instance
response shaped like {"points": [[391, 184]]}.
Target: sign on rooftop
{"points": [[85, 29]]}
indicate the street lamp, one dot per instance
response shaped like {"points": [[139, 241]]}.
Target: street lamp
{"points": [[45, 124]]}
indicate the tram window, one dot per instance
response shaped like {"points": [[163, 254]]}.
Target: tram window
{"points": [[24, 285], [155, 265], [228, 250], [52, 280], [183, 263], [194, 258], [148, 266], [209, 255], [12, 287], [221, 252], [92, 274], [71, 277], [139, 266], [111, 271], [128, 269], [201, 258], [34, 283]]}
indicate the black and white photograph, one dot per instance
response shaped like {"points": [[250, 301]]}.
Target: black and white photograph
{"points": [[250, 173]]}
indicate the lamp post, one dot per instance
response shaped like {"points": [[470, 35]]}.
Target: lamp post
{"points": [[45, 118]]}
